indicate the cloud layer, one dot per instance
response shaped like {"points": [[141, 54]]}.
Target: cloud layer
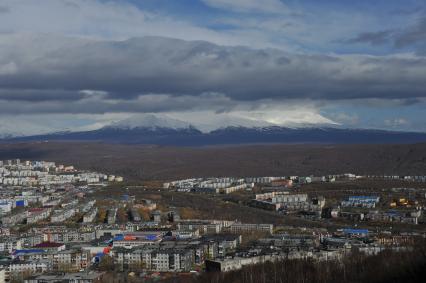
{"points": [[413, 37], [154, 74], [268, 6]]}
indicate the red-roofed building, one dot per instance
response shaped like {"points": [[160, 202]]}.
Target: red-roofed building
{"points": [[50, 246]]}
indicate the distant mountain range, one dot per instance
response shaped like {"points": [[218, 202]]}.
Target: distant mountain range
{"points": [[178, 134]]}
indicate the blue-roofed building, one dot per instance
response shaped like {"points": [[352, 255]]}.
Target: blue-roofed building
{"points": [[151, 237], [364, 198], [21, 253], [21, 203], [355, 232], [119, 237], [361, 201], [97, 258], [17, 252]]}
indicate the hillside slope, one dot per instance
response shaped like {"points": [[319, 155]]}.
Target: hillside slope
{"points": [[139, 161]]}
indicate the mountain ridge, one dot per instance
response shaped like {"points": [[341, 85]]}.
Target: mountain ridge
{"points": [[233, 135]]}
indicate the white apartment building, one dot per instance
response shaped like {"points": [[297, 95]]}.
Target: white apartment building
{"points": [[10, 244]]}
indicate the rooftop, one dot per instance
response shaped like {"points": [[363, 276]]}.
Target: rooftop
{"points": [[48, 245]]}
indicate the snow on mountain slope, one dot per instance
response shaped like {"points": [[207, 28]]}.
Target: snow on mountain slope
{"points": [[150, 121], [205, 124], [9, 129]]}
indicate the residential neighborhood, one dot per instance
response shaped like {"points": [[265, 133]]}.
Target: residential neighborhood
{"points": [[60, 223]]}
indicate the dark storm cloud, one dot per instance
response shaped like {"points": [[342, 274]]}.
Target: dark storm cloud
{"points": [[373, 38], [4, 9], [39, 95], [413, 37], [157, 74], [145, 104]]}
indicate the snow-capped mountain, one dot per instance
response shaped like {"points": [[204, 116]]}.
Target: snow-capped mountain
{"points": [[8, 130], [149, 121], [5, 133], [191, 136], [162, 121], [166, 130]]}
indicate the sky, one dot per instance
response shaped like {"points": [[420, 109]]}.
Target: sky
{"points": [[84, 64]]}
